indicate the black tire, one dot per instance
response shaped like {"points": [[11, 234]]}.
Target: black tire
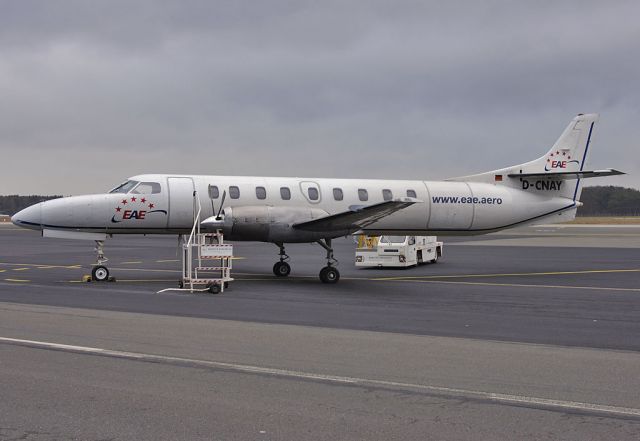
{"points": [[181, 284], [100, 273], [281, 269], [214, 288], [329, 274], [435, 259], [419, 258]]}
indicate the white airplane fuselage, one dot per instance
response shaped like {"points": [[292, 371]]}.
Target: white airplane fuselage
{"points": [[259, 211]]}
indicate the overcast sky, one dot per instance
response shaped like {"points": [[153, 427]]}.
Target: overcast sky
{"points": [[93, 92]]}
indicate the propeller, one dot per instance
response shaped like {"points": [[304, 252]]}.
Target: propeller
{"points": [[224, 195]]}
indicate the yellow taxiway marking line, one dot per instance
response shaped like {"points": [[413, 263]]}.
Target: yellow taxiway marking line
{"points": [[522, 285], [2, 271], [17, 280], [37, 265], [131, 262], [20, 269], [548, 273], [494, 396], [169, 260], [125, 280]]}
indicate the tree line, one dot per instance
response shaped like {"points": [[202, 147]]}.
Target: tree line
{"points": [[13, 203], [598, 201], [609, 201]]}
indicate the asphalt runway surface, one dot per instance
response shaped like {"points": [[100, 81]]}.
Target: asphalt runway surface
{"points": [[527, 334]]}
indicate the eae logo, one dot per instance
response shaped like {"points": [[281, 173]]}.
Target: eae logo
{"points": [[557, 160], [139, 209]]}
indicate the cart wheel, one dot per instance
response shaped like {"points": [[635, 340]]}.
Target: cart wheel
{"points": [[214, 288], [435, 258], [181, 284], [226, 285], [100, 273]]}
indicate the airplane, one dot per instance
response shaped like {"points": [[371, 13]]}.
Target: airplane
{"points": [[285, 210]]}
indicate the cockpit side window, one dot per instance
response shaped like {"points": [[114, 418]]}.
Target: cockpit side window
{"points": [[147, 188], [124, 187]]}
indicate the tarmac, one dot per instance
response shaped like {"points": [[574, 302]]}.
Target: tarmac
{"points": [[531, 333]]}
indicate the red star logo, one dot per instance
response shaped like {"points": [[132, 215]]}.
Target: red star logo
{"points": [[143, 200], [118, 209], [124, 202], [151, 205], [133, 199]]}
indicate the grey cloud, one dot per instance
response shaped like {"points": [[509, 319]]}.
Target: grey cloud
{"points": [[354, 89]]}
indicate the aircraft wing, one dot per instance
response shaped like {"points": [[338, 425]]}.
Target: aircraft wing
{"points": [[569, 175], [357, 217]]}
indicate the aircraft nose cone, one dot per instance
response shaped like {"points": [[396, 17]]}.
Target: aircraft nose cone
{"points": [[30, 217]]}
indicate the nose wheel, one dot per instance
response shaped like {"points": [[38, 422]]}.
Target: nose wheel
{"points": [[100, 273]]}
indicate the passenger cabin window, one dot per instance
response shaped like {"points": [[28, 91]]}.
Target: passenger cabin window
{"points": [[337, 194], [313, 194], [234, 192], [147, 188], [261, 193], [285, 193], [387, 195], [214, 193], [124, 187], [363, 195], [411, 193]]}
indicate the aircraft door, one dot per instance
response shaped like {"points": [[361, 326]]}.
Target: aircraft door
{"points": [[311, 191], [180, 202]]}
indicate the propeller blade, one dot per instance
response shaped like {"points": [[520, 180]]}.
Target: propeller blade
{"points": [[224, 195]]}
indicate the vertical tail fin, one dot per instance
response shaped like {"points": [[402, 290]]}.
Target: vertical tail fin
{"points": [[569, 154]]}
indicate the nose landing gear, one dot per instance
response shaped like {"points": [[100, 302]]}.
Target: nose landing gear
{"points": [[100, 273]]}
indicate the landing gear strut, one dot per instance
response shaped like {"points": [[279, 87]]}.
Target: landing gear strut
{"points": [[100, 273], [282, 268], [329, 274]]}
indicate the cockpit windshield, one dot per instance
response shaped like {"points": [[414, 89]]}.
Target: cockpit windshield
{"points": [[124, 187]]}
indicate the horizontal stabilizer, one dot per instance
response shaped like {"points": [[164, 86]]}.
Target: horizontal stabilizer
{"points": [[357, 217], [569, 174]]}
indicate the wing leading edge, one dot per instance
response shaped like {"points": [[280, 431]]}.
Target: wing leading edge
{"points": [[357, 217]]}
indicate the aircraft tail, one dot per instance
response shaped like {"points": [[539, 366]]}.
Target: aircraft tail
{"points": [[560, 171]]}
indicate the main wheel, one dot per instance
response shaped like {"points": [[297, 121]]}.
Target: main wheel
{"points": [[281, 269], [329, 274], [100, 273]]}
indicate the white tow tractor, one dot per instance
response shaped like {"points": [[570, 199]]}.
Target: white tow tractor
{"points": [[397, 251]]}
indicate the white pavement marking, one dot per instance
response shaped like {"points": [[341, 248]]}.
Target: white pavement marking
{"points": [[492, 396]]}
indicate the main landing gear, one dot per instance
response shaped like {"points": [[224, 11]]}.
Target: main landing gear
{"points": [[328, 274], [100, 273], [282, 268]]}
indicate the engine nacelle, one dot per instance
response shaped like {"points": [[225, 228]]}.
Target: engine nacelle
{"points": [[268, 224]]}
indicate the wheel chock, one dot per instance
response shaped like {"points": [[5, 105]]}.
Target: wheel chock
{"points": [[86, 278]]}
